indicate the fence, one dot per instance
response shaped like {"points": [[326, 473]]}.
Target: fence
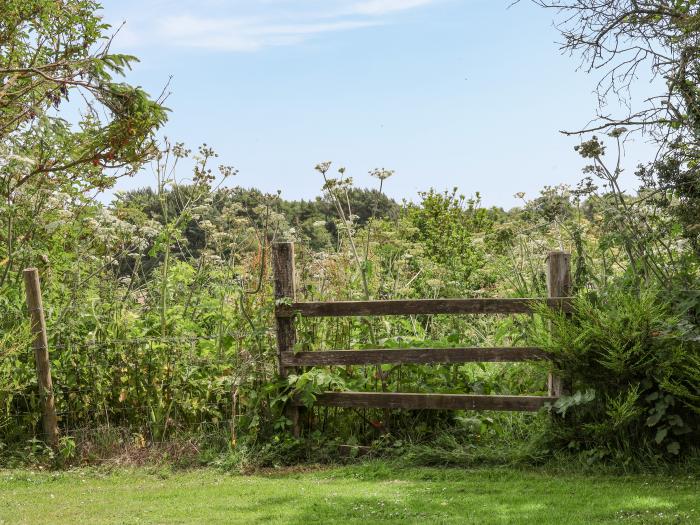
{"points": [[558, 285]]}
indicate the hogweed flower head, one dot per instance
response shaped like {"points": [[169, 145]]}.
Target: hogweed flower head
{"points": [[381, 173], [323, 167]]}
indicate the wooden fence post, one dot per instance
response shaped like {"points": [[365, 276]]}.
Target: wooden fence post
{"points": [[558, 285], [285, 288], [41, 356]]}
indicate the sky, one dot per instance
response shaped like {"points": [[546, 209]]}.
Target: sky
{"points": [[448, 93]]}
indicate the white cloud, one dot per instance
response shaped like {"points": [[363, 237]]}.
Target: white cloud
{"points": [[244, 34], [250, 25], [381, 7]]}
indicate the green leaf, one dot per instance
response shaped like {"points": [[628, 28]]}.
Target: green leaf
{"points": [[564, 403], [675, 420], [661, 435], [654, 419]]}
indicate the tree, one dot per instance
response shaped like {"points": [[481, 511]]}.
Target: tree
{"points": [[66, 125], [445, 223], [623, 39], [52, 51], [619, 38]]}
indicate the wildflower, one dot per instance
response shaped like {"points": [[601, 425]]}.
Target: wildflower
{"points": [[323, 167], [381, 173]]}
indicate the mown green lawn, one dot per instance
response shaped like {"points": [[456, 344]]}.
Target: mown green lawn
{"points": [[370, 493]]}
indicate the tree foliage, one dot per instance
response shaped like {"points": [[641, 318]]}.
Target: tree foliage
{"points": [[53, 52]]}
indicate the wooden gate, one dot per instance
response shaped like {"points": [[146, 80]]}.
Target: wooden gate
{"points": [[558, 285]]}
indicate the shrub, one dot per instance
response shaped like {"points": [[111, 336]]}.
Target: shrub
{"points": [[633, 372]]}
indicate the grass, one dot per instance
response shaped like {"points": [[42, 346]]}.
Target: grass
{"points": [[374, 492]]}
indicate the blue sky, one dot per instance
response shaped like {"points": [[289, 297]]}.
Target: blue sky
{"points": [[466, 93]]}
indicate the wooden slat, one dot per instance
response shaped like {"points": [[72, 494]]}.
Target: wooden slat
{"points": [[412, 356], [432, 401], [419, 306]]}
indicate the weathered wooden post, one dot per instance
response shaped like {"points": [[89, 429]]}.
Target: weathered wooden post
{"points": [[285, 289], [558, 285], [41, 355]]}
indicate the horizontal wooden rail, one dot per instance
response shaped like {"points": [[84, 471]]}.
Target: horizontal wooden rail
{"points": [[420, 306], [432, 401], [412, 356]]}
